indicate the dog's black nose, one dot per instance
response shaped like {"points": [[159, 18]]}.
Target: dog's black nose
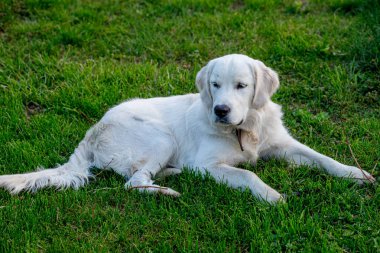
{"points": [[221, 110]]}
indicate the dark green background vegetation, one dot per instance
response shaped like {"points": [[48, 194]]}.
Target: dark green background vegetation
{"points": [[64, 63]]}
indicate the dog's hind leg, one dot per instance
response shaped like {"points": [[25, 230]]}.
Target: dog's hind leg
{"points": [[142, 181], [138, 149], [142, 178]]}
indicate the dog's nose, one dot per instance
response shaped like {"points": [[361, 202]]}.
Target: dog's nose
{"points": [[221, 110]]}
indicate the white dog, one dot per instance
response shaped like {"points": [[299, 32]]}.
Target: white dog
{"points": [[231, 121]]}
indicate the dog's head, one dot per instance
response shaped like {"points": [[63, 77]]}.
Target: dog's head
{"points": [[232, 85]]}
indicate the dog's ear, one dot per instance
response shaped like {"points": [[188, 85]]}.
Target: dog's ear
{"points": [[203, 84], [267, 83]]}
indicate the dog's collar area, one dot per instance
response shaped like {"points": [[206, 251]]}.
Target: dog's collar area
{"points": [[238, 133]]}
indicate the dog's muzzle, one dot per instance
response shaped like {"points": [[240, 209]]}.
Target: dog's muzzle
{"points": [[222, 111]]}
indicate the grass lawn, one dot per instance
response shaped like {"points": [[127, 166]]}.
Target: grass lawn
{"points": [[63, 63]]}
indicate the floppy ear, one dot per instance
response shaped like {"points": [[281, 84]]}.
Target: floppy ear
{"points": [[266, 84], [202, 82]]}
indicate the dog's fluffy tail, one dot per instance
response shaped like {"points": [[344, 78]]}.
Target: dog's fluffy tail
{"points": [[75, 173]]}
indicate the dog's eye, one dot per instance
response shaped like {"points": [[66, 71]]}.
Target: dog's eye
{"points": [[216, 85], [241, 86]]}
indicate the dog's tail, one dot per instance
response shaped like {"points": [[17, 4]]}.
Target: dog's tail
{"points": [[75, 173]]}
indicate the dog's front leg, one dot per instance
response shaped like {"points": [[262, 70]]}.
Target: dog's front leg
{"points": [[300, 154], [239, 178]]}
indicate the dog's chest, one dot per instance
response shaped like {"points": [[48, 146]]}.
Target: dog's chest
{"points": [[243, 148], [249, 145]]}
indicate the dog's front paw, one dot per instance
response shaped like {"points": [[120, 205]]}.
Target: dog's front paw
{"points": [[358, 175], [274, 198]]}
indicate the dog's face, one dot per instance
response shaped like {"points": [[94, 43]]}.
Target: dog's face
{"points": [[232, 85]]}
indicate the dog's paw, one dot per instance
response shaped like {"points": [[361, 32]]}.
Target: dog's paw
{"points": [[274, 198], [153, 189], [359, 176], [169, 191]]}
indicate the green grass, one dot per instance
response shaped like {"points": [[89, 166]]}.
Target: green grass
{"points": [[64, 63]]}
